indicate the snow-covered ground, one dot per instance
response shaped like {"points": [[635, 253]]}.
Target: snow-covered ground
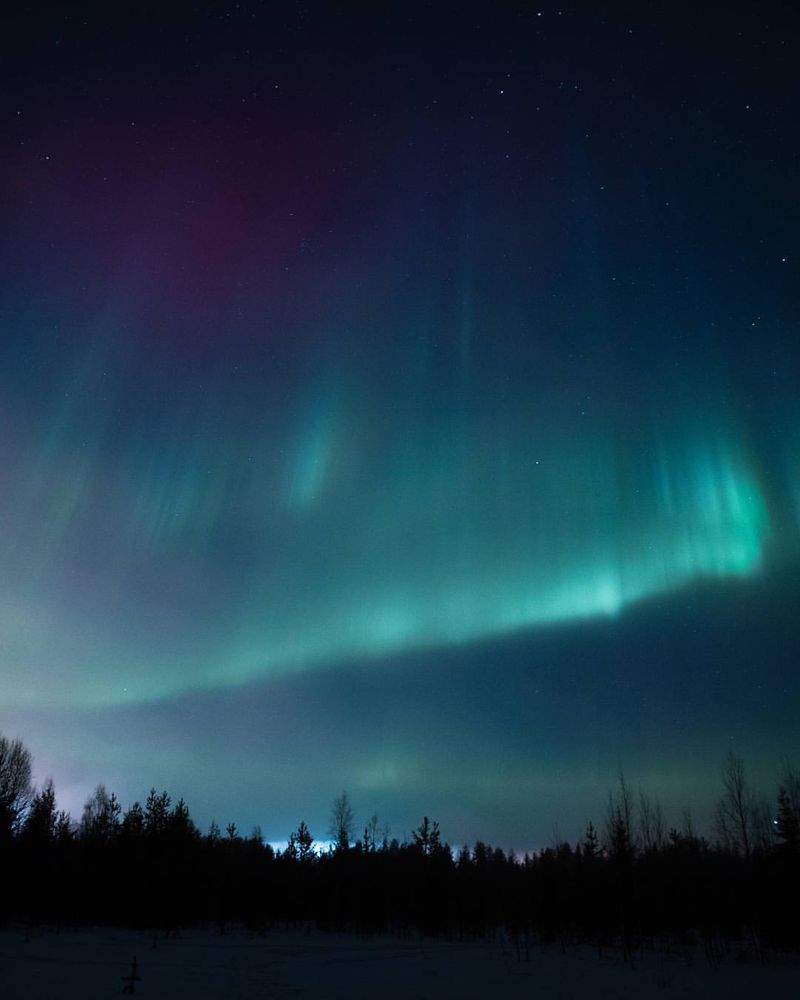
{"points": [[201, 965]]}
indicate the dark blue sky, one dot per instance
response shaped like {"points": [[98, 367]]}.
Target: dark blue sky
{"points": [[400, 398]]}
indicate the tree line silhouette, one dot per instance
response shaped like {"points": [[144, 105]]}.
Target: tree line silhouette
{"points": [[629, 884]]}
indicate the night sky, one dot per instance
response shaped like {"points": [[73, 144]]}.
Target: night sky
{"points": [[400, 398]]}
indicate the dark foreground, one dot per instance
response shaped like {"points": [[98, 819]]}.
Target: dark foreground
{"points": [[202, 965]]}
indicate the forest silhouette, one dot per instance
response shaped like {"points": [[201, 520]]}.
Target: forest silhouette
{"points": [[630, 883]]}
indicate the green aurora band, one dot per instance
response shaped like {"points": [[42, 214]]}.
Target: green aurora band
{"points": [[213, 539]]}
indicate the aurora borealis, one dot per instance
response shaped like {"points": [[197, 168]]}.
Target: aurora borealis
{"points": [[399, 398]]}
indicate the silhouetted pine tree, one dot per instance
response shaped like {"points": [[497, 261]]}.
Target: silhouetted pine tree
{"points": [[591, 843], [42, 820], [427, 838], [156, 813], [133, 822], [301, 844]]}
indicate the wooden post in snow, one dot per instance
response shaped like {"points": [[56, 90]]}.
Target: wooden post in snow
{"points": [[132, 978]]}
